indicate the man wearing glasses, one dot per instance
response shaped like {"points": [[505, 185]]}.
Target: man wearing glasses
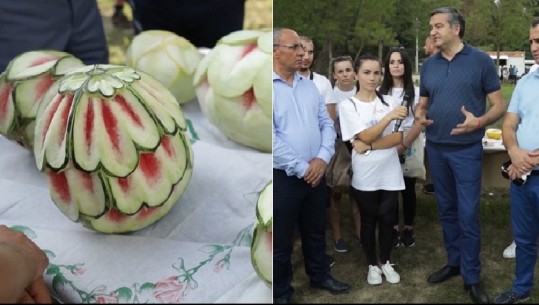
{"points": [[303, 144]]}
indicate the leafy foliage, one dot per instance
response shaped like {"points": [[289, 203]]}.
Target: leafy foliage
{"points": [[370, 26]]}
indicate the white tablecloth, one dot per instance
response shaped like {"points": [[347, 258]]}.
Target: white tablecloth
{"points": [[492, 145], [197, 253]]}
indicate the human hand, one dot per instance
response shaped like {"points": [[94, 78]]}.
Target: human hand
{"points": [[36, 293], [398, 113], [23, 264], [522, 162], [401, 149], [534, 155], [421, 118], [470, 123], [315, 172], [360, 147]]}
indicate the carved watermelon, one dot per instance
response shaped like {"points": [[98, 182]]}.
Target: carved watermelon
{"points": [[234, 87], [262, 244], [23, 84], [111, 141], [170, 58]]}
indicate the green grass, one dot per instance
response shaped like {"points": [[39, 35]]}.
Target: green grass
{"points": [[416, 263]]}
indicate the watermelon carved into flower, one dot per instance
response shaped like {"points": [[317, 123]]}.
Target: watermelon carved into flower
{"points": [[112, 142], [102, 79]]}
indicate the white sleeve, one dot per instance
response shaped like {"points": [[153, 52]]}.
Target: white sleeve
{"points": [[328, 92], [351, 121]]}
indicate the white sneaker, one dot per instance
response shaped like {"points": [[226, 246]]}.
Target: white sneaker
{"points": [[509, 252], [375, 275], [390, 274]]}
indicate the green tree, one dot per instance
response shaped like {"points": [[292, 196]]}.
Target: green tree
{"points": [[369, 26]]}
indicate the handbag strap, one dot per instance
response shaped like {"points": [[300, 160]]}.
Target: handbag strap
{"points": [[352, 101]]}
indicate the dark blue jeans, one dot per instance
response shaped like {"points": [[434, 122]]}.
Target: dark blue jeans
{"points": [[456, 173], [525, 226], [297, 204]]}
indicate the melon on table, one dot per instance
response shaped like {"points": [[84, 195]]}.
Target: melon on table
{"points": [[112, 143], [22, 86]]}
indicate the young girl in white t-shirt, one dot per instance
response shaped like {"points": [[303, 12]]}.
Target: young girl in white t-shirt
{"points": [[345, 87], [368, 120]]}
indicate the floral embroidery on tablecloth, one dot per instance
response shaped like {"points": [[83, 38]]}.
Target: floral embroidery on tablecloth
{"points": [[172, 289]]}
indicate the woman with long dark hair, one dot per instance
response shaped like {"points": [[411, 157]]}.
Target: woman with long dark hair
{"points": [[398, 82]]}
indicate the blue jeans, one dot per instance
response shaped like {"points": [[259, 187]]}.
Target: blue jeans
{"points": [[456, 174], [525, 226], [298, 205]]}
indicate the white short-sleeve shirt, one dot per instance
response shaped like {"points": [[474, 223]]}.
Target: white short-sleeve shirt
{"points": [[381, 169], [324, 87]]}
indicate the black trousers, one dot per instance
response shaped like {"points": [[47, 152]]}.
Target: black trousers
{"points": [[377, 209], [409, 202], [295, 202]]}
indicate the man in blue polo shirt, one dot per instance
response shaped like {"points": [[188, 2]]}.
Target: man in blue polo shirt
{"points": [[455, 83], [303, 144]]}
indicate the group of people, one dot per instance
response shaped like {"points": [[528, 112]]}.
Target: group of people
{"points": [[509, 75], [373, 115]]}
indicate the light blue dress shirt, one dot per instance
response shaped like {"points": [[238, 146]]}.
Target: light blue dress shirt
{"points": [[302, 128], [524, 102]]}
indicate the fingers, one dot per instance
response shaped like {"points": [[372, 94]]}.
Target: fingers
{"points": [[424, 122], [26, 299], [39, 292], [36, 260], [315, 172]]}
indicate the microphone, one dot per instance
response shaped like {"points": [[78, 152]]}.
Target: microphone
{"points": [[406, 101]]}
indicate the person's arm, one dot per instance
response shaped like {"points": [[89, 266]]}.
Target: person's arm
{"points": [[496, 110], [387, 141], [372, 134], [332, 111], [410, 137], [420, 114], [471, 122], [317, 166], [22, 264], [522, 160]]}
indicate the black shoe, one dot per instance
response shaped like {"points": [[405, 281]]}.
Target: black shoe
{"points": [[330, 260], [407, 238], [509, 297], [477, 294], [443, 274], [332, 285], [428, 188]]}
